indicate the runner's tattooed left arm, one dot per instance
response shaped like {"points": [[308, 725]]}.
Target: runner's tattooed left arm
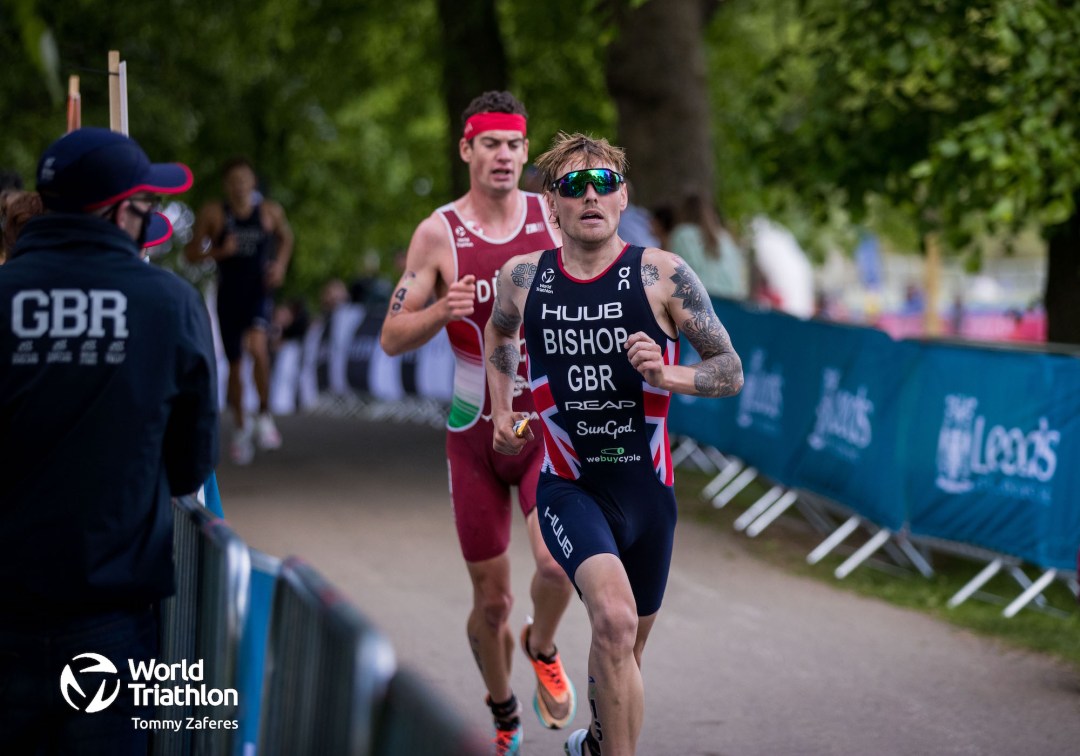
{"points": [[650, 274], [502, 350], [720, 371], [506, 317]]}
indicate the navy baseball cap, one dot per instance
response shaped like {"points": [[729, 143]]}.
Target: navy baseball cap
{"points": [[158, 231], [91, 168]]}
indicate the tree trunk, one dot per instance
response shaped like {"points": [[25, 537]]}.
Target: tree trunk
{"points": [[1062, 298], [474, 62], [656, 73]]}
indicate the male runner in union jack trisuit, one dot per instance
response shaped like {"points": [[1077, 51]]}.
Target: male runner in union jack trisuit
{"points": [[602, 320]]}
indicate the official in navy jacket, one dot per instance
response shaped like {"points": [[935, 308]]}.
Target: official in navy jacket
{"points": [[107, 409]]}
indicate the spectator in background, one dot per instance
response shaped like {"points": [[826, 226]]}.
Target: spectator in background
{"points": [[11, 185], [290, 323], [636, 226], [663, 223], [16, 208], [914, 300], [109, 410], [956, 318], [371, 288], [333, 295], [708, 248], [1029, 325]]}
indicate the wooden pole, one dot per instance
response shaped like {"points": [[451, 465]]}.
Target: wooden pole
{"points": [[123, 99], [115, 106], [74, 105]]}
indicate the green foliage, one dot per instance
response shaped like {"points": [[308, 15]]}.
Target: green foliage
{"points": [[957, 114], [336, 103], [827, 113], [556, 52]]}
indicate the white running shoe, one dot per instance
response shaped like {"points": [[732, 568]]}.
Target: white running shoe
{"points": [[242, 448], [575, 744], [266, 433]]}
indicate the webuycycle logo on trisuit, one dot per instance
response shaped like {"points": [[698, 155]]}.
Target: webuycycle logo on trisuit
{"points": [[154, 684], [615, 454]]}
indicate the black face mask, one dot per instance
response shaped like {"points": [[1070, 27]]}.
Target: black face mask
{"points": [[144, 228]]}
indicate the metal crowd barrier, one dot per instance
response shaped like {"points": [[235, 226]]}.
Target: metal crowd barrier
{"points": [[328, 670], [203, 621], [330, 685], [414, 721]]}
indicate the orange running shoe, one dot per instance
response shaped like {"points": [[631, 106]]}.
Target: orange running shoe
{"points": [[555, 702]]}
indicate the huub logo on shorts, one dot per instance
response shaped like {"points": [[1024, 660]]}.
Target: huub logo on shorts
{"points": [[69, 681]]}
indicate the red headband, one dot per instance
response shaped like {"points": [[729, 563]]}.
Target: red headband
{"points": [[482, 122]]}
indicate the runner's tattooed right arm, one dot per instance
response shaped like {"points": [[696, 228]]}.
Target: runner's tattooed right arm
{"points": [[522, 275], [506, 319], [506, 359], [507, 322]]}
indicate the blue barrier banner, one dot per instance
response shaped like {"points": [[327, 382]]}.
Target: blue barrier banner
{"points": [[992, 445], [848, 451], [212, 496], [762, 424], [251, 666]]}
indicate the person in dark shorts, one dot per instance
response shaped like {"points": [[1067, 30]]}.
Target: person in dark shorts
{"points": [[249, 238], [108, 408], [450, 268], [602, 321]]}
